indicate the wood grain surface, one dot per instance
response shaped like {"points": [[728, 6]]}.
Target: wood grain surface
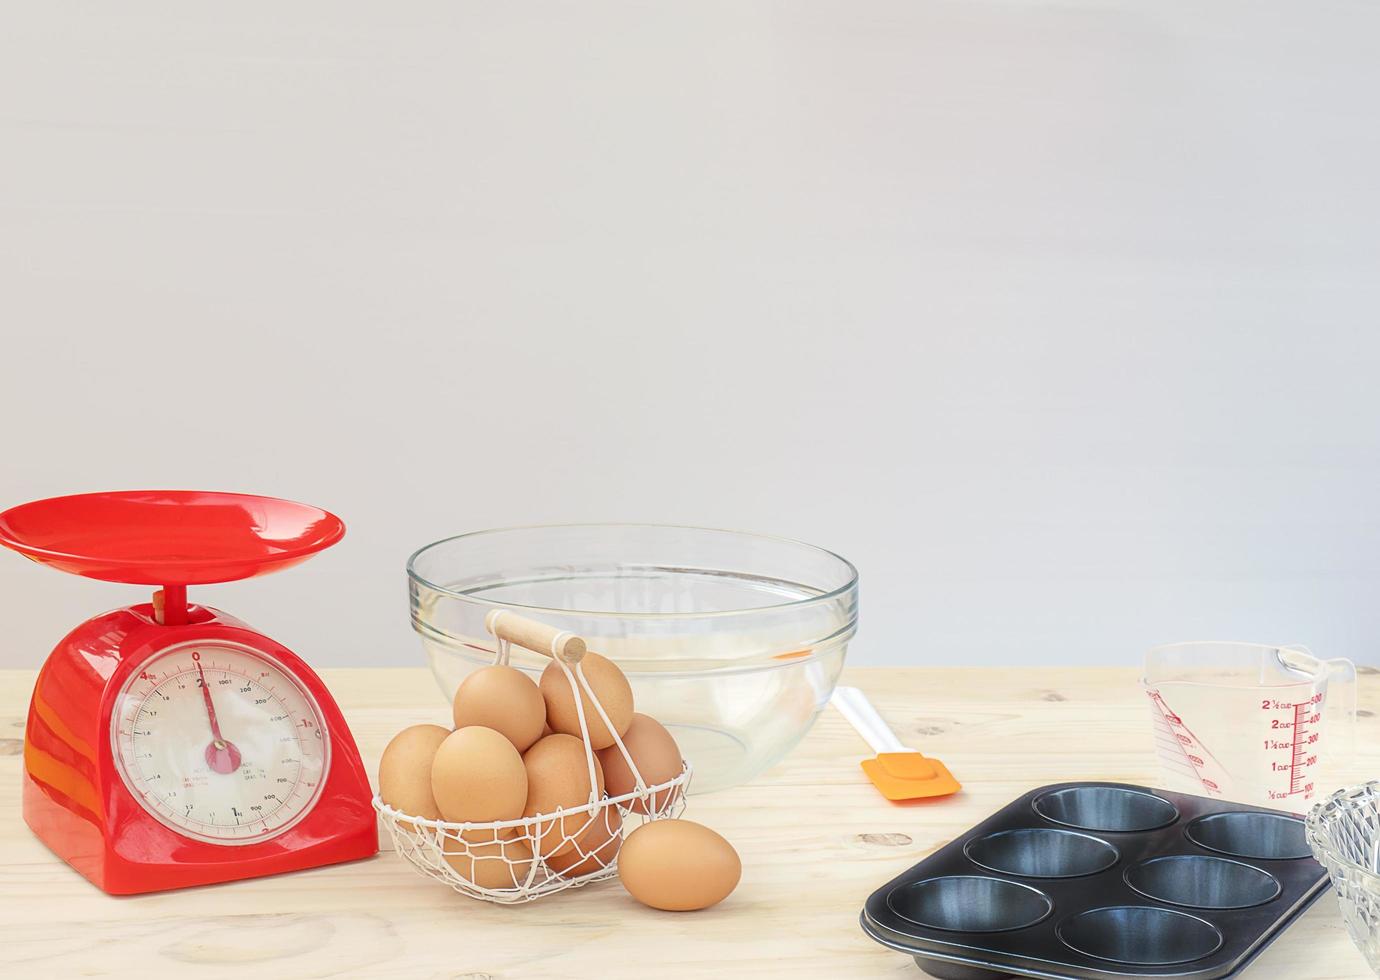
{"points": [[815, 839]]}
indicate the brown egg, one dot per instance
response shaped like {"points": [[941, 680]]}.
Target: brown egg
{"points": [[594, 849], [558, 776], [678, 866], [609, 685], [497, 864], [405, 771], [656, 756], [478, 776], [504, 699]]}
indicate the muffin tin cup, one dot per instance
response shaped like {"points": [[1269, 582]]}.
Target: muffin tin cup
{"points": [[1039, 852], [1106, 809], [1101, 881], [1137, 935], [1260, 835], [1202, 882], [970, 904]]}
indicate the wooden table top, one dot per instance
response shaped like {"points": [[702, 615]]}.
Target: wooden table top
{"points": [[814, 836]]}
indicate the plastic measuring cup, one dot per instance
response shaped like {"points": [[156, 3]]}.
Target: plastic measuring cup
{"points": [[1245, 721]]}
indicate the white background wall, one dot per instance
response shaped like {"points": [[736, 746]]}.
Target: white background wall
{"points": [[1058, 318]]}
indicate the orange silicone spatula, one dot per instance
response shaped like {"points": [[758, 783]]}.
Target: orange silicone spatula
{"points": [[900, 773]]}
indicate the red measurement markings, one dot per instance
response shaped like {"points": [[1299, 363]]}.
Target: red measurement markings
{"points": [[1185, 738], [1302, 754], [1296, 756]]}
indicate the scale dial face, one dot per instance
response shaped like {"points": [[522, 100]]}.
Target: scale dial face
{"points": [[220, 742]]}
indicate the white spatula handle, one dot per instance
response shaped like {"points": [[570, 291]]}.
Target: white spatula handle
{"points": [[853, 705]]}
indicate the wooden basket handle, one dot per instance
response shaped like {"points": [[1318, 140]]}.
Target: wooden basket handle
{"points": [[537, 637]]}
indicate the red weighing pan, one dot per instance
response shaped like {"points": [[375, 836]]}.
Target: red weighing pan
{"points": [[168, 537]]}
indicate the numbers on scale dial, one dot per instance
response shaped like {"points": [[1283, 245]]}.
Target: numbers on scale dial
{"points": [[220, 743]]}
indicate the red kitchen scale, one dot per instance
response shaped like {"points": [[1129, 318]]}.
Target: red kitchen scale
{"points": [[171, 744]]}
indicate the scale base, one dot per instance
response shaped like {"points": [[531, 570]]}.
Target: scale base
{"points": [[81, 844]]}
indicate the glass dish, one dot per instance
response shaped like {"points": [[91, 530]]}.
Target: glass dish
{"points": [[733, 641], [1344, 833]]}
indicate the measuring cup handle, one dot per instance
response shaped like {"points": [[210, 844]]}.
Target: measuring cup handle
{"points": [[1341, 677]]}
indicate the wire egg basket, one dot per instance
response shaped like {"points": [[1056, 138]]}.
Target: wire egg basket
{"points": [[509, 862]]}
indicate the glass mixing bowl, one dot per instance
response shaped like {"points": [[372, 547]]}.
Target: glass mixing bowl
{"points": [[732, 641]]}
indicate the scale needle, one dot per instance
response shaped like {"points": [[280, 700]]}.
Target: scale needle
{"points": [[221, 755]]}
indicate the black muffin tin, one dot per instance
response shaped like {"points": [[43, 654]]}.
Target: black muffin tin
{"points": [[1102, 881]]}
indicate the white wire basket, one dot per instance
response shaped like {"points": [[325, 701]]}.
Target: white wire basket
{"points": [[514, 861]]}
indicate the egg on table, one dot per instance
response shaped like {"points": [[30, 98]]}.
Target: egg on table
{"points": [[504, 699], [678, 866], [656, 756], [405, 771], [610, 686], [558, 777], [477, 776]]}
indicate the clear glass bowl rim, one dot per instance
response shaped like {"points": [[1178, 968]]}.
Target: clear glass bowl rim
{"points": [[849, 586], [1316, 830]]}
